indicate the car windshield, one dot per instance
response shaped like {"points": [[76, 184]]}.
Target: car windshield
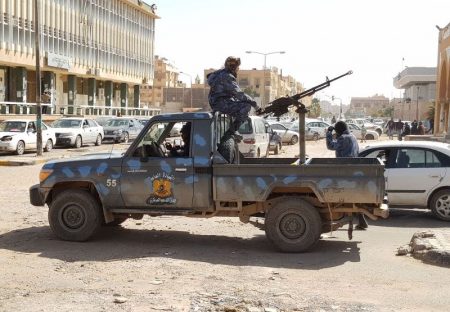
{"points": [[13, 126], [246, 127], [117, 123], [67, 123]]}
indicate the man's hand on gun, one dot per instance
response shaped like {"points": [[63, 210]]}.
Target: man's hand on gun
{"points": [[258, 110]]}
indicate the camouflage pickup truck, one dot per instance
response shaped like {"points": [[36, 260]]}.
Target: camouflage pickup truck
{"points": [[297, 202]]}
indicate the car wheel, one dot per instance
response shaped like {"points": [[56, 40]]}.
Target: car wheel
{"points": [[440, 204], [370, 137], [98, 141], [379, 132], [126, 137], [20, 148], [48, 146], [293, 225], [74, 215], [277, 149], [316, 137], [294, 139], [78, 142]]}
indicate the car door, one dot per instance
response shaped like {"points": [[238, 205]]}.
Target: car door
{"points": [[281, 131], [414, 174], [86, 132], [154, 178], [355, 130], [94, 129], [261, 136]]}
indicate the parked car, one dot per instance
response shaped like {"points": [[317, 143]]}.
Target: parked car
{"points": [[76, 131], [368, 125], [356, 130], [275, 142], [417, 174], [287, 136], [103, 120], [122, 129], [255, 135], [318, 126], [19, 135], [309, 134]]}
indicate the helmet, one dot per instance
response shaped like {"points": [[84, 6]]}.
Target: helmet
{"points": [[232, 63], [340, 127]]}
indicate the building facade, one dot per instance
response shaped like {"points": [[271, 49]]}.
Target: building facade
{"points": [[419, 90], [367, 106], [95, 55], [442, 116]]}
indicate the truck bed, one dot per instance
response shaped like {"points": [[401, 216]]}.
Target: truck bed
{"points": [[332, 180]]}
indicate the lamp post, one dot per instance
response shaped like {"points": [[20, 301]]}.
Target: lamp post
{"points": [[417, 104], [340, 105], [37, 37], [264, 71], [190, 77]]}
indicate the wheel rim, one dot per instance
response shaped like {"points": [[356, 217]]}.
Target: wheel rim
{"points": [[78, 142], [443, 206], [49, 145], [20, 147], [73, 216], [125, 139], [292, 226], [294, 139]]}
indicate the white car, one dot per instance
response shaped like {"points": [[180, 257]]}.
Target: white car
{"points": [[256, 138], [357, 132], [368, 125], [19, 135], [318, 126], [76, 131], [417, 174], [287, 136]]}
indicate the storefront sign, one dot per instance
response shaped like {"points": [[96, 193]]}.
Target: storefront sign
{"points": [[60, 61]]}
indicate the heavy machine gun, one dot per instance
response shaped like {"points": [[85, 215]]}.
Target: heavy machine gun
{"points": [[281, 105]]}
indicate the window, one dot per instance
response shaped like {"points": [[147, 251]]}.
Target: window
{"points": [[383, 154], [277, 127], [417, 158], [91, 123], [260, 127], [246, 127]]}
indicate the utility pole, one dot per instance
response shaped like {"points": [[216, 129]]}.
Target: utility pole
{"points": [[37, 37]]}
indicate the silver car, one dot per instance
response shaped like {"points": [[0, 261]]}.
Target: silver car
{"points": [[76, 131], [287, 136], [122, 129]]}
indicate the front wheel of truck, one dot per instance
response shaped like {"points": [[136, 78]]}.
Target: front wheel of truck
{"points": [[74, 215], [293, 225]]}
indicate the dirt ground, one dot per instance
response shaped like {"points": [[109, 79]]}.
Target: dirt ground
{"points": [[219, 264]]}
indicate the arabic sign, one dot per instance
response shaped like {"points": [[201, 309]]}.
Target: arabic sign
{"points": [[59, 61]]}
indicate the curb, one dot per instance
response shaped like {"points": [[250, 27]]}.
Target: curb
{"points": [[10, 163]]}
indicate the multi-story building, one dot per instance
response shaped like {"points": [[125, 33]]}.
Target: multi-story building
{"points": [[368, 106], [166, 76], [442, 116], [419, 84], [94, 55]]}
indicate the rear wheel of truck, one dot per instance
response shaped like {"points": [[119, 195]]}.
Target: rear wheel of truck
{"points": [[293, 225], [75, 215]]}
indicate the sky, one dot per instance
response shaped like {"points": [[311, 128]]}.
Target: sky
{"points": [[374, 39]]}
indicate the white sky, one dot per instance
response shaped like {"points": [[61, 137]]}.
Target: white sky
{"points": [[321, 38]]}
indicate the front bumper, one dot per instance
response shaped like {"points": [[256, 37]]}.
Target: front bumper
{"points": [[36, 196], [7, 146], [65, 140], [115, 137]]}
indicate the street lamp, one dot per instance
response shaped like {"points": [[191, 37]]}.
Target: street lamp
{"points": [[264, 68], [340, 105], [190, 77], [417, 104]]}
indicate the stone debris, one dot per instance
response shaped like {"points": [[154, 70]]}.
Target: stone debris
{"points": [[120, 300], [429, 246]]}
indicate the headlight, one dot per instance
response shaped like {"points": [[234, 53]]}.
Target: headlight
{"points": [[6, 138], [44, 174], [70, 134]]}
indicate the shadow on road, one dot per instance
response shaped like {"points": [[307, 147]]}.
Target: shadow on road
{"points": [[411, 218], [113, 244]]}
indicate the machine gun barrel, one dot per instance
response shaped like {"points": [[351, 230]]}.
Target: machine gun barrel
{"points": [[280, 106]]}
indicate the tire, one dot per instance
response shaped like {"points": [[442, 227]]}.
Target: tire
{"points": [[316, 137], [227, 148], [20, 148], [48, 146], [126, 137], [78, 142], [277, 149], [74, 215], [369, 137], [293, 225], [380, 132], [294, 139], [98, 141], [440, 204]]}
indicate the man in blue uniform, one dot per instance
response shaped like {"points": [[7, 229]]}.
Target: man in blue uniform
{"points": [[345, 145], [226, 97]]}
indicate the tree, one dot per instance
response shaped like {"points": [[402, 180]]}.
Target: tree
{"points": [[431, 110], [314, 109]]}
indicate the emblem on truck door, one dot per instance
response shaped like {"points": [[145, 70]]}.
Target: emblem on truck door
{"points": [[161, 189]]}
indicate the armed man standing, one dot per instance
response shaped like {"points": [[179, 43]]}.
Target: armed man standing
{"points": [[345, 145], [226, 97]]}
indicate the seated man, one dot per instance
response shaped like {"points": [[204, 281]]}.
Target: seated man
{"points": [[181, 151]]}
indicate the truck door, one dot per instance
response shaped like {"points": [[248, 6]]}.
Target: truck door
{"points": [[157, 174]]}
